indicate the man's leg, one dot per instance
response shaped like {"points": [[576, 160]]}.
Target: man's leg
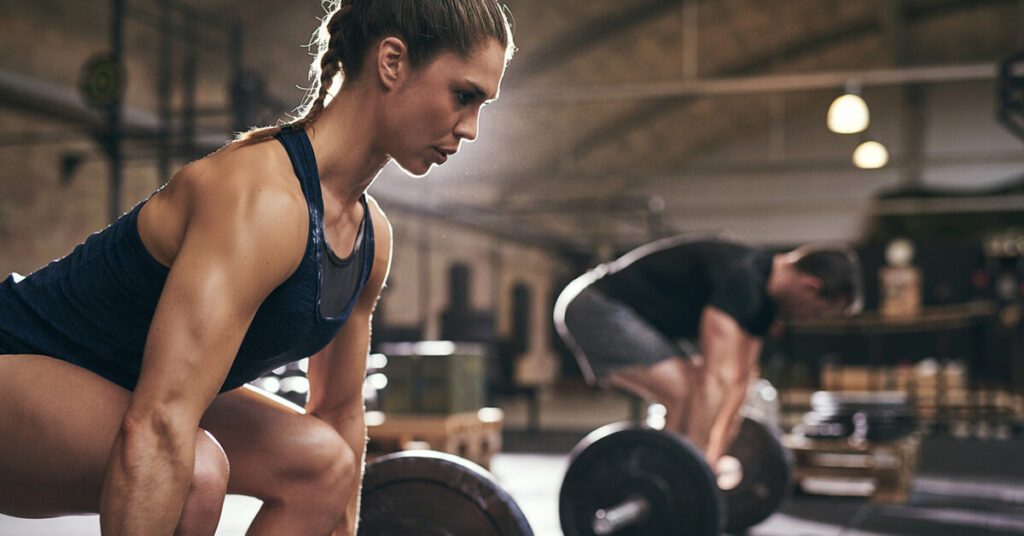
{"points": [[668, 382], [612, 341]]}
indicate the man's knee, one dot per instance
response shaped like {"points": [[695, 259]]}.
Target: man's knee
{"points": [[676, 398], [676, 377]]}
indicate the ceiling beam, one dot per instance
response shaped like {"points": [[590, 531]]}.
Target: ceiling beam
{"points": [[759, 84], [653, 179], [867, 26], [588, 34]]}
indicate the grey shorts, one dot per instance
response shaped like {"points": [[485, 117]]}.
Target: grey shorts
{"points": [[605, 334]]}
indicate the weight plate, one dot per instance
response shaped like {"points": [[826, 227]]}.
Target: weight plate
{"points": [[765, 464], [848, 403], [435, 494], [814, 417], [619, 461], [102, 81], [882, 426], [864, 398]]}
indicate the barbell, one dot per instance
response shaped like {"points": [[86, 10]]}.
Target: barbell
{"points": [[435, 494], [628, 480]]}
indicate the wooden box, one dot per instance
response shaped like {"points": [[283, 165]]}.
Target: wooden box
{"points": [[882, 470], [475, 436], [433, 377]]}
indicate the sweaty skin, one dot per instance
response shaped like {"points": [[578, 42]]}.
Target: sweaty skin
{"points": [[232, 227]]}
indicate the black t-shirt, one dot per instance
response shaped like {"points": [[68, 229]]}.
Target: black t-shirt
{"points": [[671, 281]]}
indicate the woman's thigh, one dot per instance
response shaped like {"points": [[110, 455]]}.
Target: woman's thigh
{"points": [[270, 443], [58, 422]]}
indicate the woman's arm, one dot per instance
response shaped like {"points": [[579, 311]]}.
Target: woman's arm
{"points": [[241, 241], [337, 372]]}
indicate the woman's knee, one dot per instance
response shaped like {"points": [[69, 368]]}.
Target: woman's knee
{"points": [[327, 464], [205, 498], [211, 471]]}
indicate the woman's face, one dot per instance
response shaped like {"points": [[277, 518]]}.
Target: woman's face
{"points": [[433, 109]]}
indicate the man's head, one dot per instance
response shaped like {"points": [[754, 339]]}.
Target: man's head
{"points": [[817, 280]]}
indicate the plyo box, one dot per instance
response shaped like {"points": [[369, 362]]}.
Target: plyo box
{"points": [[434, 377]]}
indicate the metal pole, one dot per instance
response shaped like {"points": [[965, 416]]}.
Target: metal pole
{"points": [[112, 137], [912, 120], [189, 79], [163, 92], [240, 111], [626, 514], [691, 39], [425, 273]]}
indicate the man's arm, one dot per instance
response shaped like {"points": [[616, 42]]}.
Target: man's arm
{"points": [[337, 372], [730, 354]]}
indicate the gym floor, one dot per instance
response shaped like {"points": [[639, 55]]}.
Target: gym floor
{"points": [[962, 487]]}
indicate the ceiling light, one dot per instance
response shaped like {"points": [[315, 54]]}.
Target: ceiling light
{"points": [[870, 154], [848, 114]]}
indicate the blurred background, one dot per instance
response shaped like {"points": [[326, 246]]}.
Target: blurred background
{"points": [[893, 125]]}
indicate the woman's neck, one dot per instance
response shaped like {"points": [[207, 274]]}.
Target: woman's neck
{"points": [[343, 140]]}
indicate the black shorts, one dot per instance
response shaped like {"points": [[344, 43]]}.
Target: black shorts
{"points": [[606, 334]]}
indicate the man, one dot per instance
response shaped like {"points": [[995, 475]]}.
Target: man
{"points": [[621, 320]]}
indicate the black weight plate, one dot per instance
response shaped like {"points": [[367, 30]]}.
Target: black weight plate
{"points": [[850, 411], [618, 461], [435, 494], [828, 403], [102, 81], [884, 426], [766, 476], [815, 417], [823, 430]]}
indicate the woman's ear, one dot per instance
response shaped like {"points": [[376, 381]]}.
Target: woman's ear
{"points": [[392, 61]]}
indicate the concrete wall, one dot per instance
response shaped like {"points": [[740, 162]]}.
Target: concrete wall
{"points": [[417, 294], [42, 218]]}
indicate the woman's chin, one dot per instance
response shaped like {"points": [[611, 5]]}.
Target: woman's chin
{"points": [[415, 169]]}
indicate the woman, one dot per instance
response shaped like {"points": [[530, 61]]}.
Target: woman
{"points": [[122, 363]]}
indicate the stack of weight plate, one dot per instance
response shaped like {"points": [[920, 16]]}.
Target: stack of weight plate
{"points": [[867, 415]]}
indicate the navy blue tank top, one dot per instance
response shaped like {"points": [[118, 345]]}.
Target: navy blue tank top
{"points": [[94, 306]]}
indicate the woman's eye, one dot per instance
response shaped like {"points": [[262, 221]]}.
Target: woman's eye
{"points": [[464, 97]]}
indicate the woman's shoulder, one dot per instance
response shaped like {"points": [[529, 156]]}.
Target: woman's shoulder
{"points": [[257, 176], [245, 192]]}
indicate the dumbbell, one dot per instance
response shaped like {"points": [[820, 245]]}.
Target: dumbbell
{"points": [[435, 494], [873, 416], [629, 480]]}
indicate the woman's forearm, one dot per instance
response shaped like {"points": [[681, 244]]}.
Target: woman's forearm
{"points": [[146, 482], [351, 425]]}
